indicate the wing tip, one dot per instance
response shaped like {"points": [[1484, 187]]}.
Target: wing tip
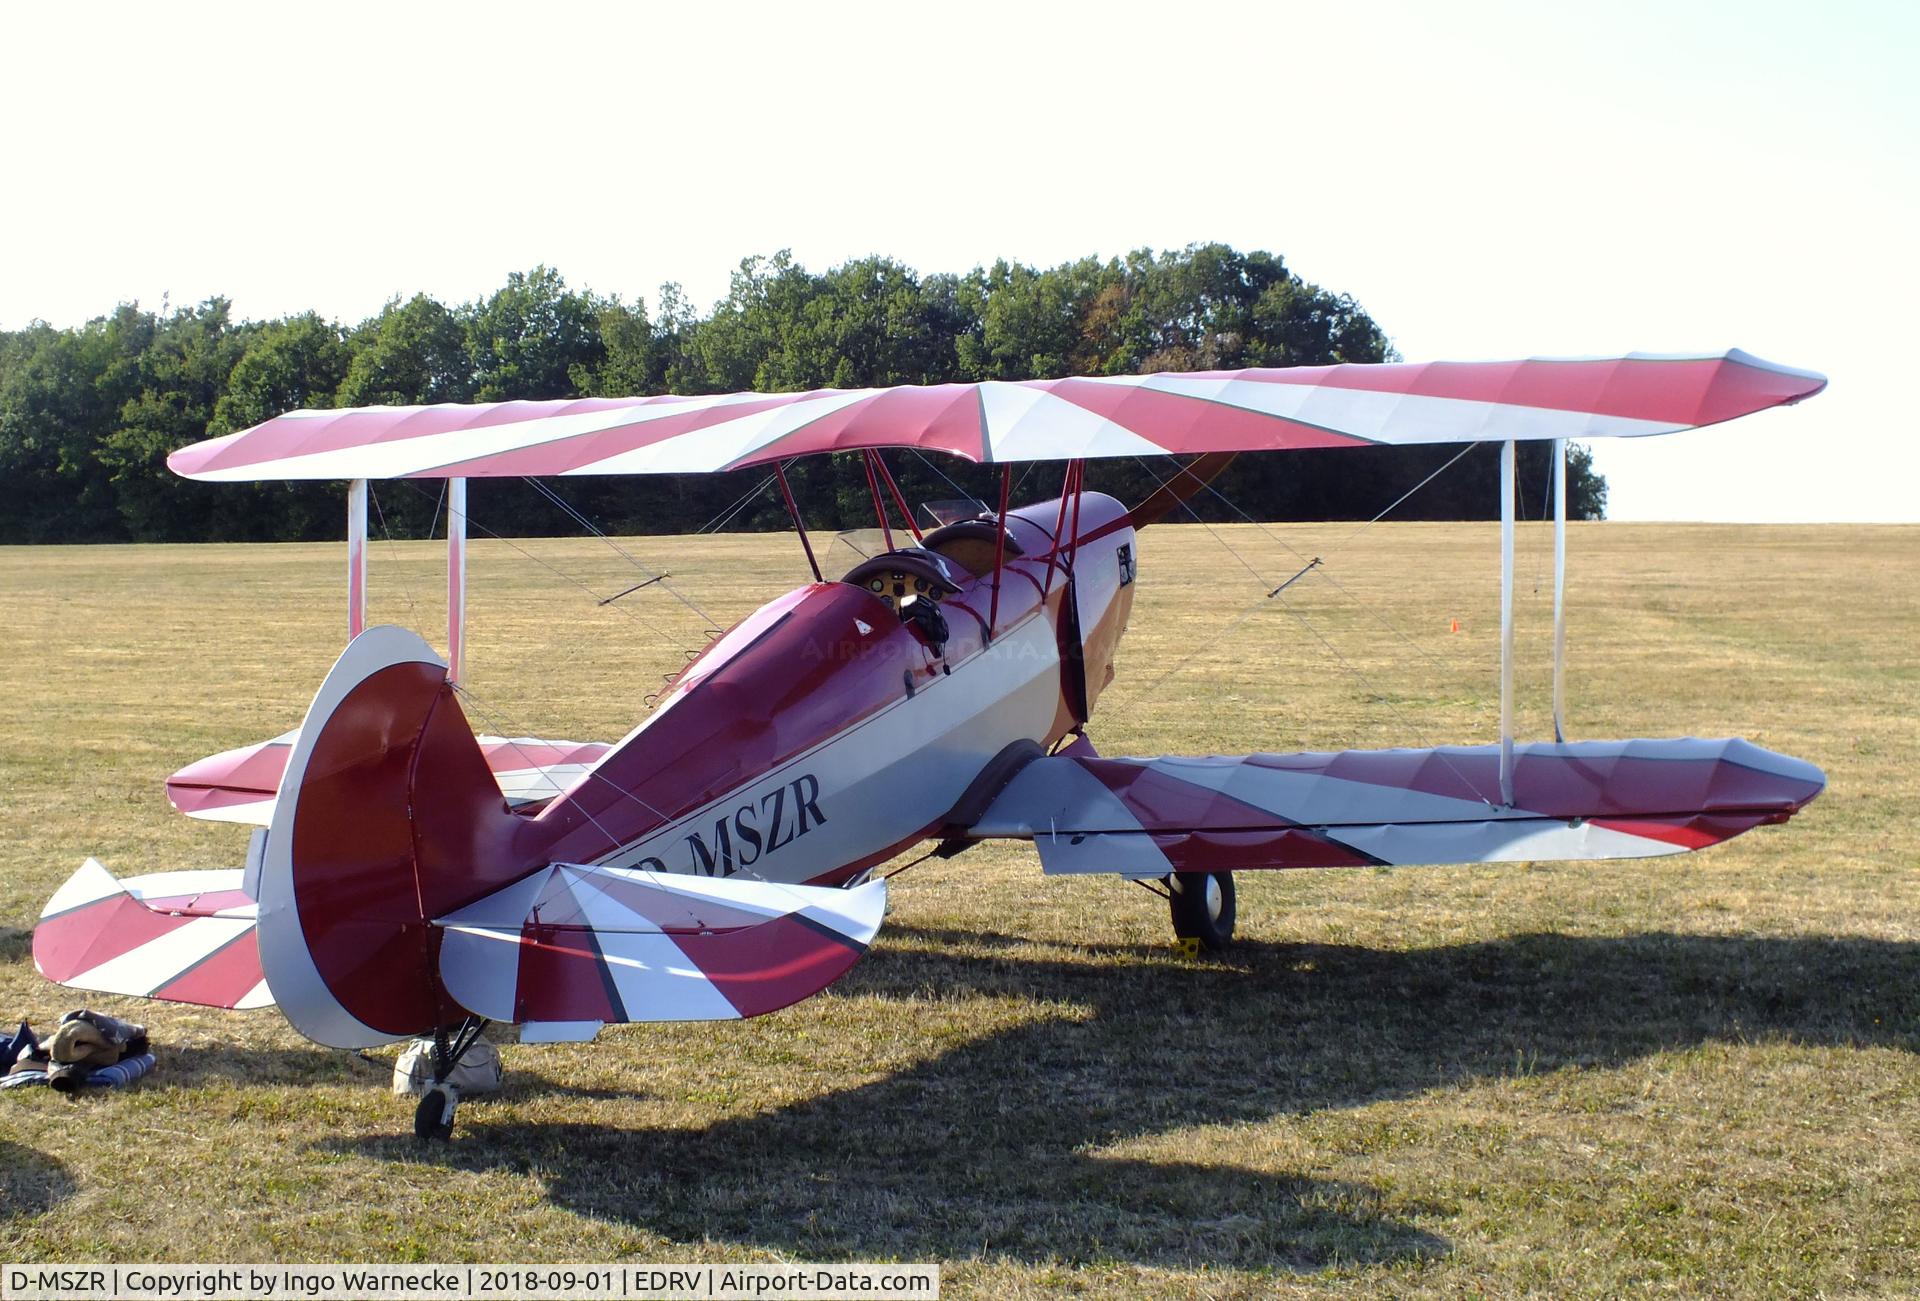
{"points": [[1811, 381]]}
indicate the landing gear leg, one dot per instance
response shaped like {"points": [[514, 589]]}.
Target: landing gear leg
{"points": [[433, 1118], [1202, 906]]}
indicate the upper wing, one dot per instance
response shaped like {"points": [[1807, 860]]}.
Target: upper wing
{"points": [[1029, 420], [1588, 799]]}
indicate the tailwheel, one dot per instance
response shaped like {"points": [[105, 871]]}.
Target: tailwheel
{"points": [[433, 1118], [1202, 906]]}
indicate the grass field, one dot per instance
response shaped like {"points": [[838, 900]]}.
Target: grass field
{"points": [[1695, 1075]]}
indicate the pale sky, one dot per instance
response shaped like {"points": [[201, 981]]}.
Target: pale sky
{"points": [[1489, 180]]}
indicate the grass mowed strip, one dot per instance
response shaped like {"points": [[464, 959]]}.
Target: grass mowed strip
{"points": [[1696, 1074]]}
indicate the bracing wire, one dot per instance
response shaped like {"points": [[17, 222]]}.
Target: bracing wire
{"points": [[581, 519], [739, 504], [433, 525], [507, 731], [1279, 593], [1364, 606], [393, 549], [1377, 518], [557, 572], [946, 478]]}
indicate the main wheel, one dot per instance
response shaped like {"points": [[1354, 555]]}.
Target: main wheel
{"points": [[433, 1118], [1202, 905]]}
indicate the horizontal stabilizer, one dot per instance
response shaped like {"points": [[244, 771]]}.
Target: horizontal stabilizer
{"points": [[1581, 800], [567, 949], [241, 785], [184, 937]]}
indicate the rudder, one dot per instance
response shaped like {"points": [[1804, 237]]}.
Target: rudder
{"points": [[388, 816]]}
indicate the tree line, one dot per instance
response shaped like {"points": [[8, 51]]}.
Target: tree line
{"points": [[89, 414]]}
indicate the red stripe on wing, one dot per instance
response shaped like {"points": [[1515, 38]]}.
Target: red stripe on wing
{"points": [[563, 977], [231, 777], [287, 436], [1569, 784], [1161, 800], [252, 773], [1689, 833], [938, 418], [225, 978], [771, 966], [1200, 829], [1687, 391], [74, 943], [1176, 421], [1228, 851], [564, 454]]}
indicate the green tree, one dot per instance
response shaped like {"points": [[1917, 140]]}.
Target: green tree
{"points": [[410, 354], [177, 379], [58, 390], [287, 365], [528, 338], [633, 362]]}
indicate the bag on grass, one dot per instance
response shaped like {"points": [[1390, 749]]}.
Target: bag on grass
{"points": [[477, 1071]]}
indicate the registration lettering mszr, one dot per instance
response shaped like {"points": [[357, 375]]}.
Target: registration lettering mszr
{"points": [[751, 831]]}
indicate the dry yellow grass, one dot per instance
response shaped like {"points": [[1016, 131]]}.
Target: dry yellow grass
{"points": [[1693, 1074]]}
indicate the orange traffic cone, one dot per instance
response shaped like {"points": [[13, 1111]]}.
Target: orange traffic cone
{"points": [[1455, 627]]}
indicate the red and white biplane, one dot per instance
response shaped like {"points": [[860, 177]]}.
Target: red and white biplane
{"points": [[407, 877]]}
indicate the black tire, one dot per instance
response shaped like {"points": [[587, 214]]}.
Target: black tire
{"points": [[1202, 905], [433, 1118]]}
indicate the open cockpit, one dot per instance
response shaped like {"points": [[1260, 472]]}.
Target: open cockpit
{"points": [[912, 581], [906, 572]]}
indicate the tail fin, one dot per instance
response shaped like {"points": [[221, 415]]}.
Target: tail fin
{"points": [[388, 816]]}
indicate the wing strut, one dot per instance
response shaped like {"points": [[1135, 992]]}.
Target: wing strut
{"points": [[356, 557], [1506, 623], [999, 548], [1559, 589], [879, 504], [799, 525], [899, 500], [456, 580], [1069, 488], [1507, 457]]}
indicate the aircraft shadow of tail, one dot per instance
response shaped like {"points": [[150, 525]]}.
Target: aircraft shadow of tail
{"points": [[31, 1182], [990, 1149]]}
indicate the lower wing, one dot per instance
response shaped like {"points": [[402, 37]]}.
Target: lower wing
{"points": [[241, 785], [1580, 800]]}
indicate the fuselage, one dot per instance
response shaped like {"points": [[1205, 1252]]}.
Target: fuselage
{"points": [[824, 733]]}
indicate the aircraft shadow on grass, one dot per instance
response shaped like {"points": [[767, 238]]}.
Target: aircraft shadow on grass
{"points": [[984, 1150], [31, 1182], [314, 1066]]}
